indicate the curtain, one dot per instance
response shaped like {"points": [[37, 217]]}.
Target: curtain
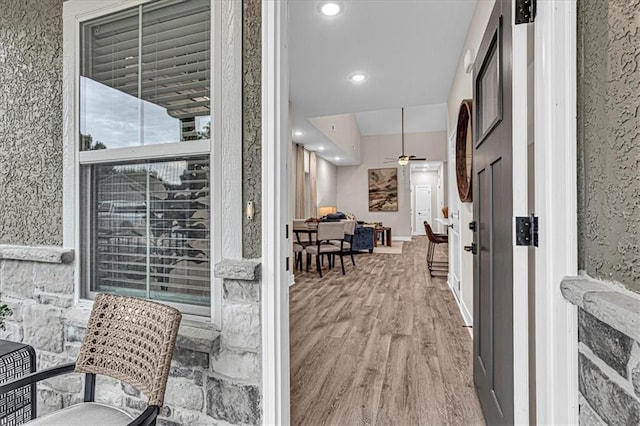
{"points": [[313, 175], [299, 182]]}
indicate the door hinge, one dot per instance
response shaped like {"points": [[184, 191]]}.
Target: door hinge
{"points": [[527, 231], [525, 11]]}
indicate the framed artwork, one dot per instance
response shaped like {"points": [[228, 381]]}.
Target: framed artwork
{"points": [[383, 190]]}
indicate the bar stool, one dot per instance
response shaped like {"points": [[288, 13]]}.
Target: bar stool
{"points": [[435, 266]]}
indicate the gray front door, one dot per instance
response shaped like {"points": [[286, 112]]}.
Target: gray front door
{"points": [[492, 212]]}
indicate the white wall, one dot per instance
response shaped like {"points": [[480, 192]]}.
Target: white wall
{"points": [[462, 88], [344, 132], [327, 183], [353, 190]]}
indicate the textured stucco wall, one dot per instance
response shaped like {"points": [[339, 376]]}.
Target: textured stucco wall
{"points": [[31, 122], [609, 140], [252, 123]]}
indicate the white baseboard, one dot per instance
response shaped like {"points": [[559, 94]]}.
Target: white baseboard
{"points": [[466, 315], [292, 279], [464, 311], [401, 238]]}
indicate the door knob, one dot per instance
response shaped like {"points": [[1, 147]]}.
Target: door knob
{"points": [[472, 248]]}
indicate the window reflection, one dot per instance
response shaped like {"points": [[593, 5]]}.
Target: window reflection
{"points": [[146, 81]]}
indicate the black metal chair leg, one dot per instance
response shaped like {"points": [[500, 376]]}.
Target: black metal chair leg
{"points": [[352, 259], [318, 264], [342, 264]]}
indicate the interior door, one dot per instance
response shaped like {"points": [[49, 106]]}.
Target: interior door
{"points": [[423, 208], [492, 213]]}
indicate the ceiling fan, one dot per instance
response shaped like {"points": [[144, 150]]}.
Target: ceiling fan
{"points": [[403, 159]]}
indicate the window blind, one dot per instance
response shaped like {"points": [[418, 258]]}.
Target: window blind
{"points": [[159, 53], [151, 230]]}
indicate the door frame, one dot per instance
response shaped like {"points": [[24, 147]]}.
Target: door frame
{"points": [[520, 199], [275, 213], [556, 202]]}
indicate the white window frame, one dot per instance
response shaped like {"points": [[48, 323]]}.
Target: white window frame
{"points": [[224, 149]]}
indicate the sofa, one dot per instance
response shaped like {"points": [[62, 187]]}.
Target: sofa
{"points": [[363, 238]]}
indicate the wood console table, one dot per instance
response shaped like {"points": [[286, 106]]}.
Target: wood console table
{"points": [[384, 233]]}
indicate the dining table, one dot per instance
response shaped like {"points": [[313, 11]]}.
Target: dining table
{"points": [[310, 229]]}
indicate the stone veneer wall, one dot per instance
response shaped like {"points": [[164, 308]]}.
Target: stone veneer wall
{"points": [[609, 351], [215, 375], [31, 122]]}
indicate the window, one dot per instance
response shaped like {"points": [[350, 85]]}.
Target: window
{"points": [[145, 143]]}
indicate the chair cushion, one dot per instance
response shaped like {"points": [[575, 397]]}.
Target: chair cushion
{"points": [[324, 248], [345, 244], [83, 414]]}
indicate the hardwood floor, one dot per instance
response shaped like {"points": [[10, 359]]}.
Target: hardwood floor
{"points": [[384, 344]]}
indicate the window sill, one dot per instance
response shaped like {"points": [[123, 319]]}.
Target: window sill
{"points": [[238, 269], [36, 254], [193, 335], [610, 303]]}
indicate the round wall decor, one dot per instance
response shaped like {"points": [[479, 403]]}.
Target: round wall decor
{"points": [[464, 151]]}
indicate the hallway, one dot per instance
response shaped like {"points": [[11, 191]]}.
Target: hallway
{"points": [[384, 344]]}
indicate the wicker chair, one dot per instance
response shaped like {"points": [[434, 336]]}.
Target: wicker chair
{"points": [[127, 339]]}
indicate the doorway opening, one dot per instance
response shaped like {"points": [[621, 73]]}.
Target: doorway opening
{"points": [[554, 262], [377, 340], [427, 197]]}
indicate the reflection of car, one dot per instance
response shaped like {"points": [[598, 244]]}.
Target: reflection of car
{"points": [[121, 217]]}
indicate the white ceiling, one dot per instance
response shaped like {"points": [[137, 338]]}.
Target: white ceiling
{"points": [[408, 49], [423, 118]]}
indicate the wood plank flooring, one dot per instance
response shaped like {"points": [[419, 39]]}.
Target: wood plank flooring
{"points": [[382, 345]]}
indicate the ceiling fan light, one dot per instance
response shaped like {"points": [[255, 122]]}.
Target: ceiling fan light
{"points": [[403, 161]]}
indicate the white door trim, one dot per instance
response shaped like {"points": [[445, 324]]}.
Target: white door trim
{"points": [[520, 208], [556, 205], [275, 151]]}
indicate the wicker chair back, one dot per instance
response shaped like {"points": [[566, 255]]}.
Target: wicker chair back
{"points": [[131, 340]]}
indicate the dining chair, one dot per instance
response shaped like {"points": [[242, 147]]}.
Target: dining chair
{"points": [[298, 252], [327, 231], [127, 339], [347, 240], [434, 240]]}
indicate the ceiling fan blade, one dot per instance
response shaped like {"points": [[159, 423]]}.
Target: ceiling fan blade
{"points": [[391, 161], [413, 158]]}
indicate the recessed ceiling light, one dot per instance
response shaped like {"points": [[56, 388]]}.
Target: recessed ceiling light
{"points": [[337, 158], [297, 133], [357, 77], [321, 148], [330, 8]]}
